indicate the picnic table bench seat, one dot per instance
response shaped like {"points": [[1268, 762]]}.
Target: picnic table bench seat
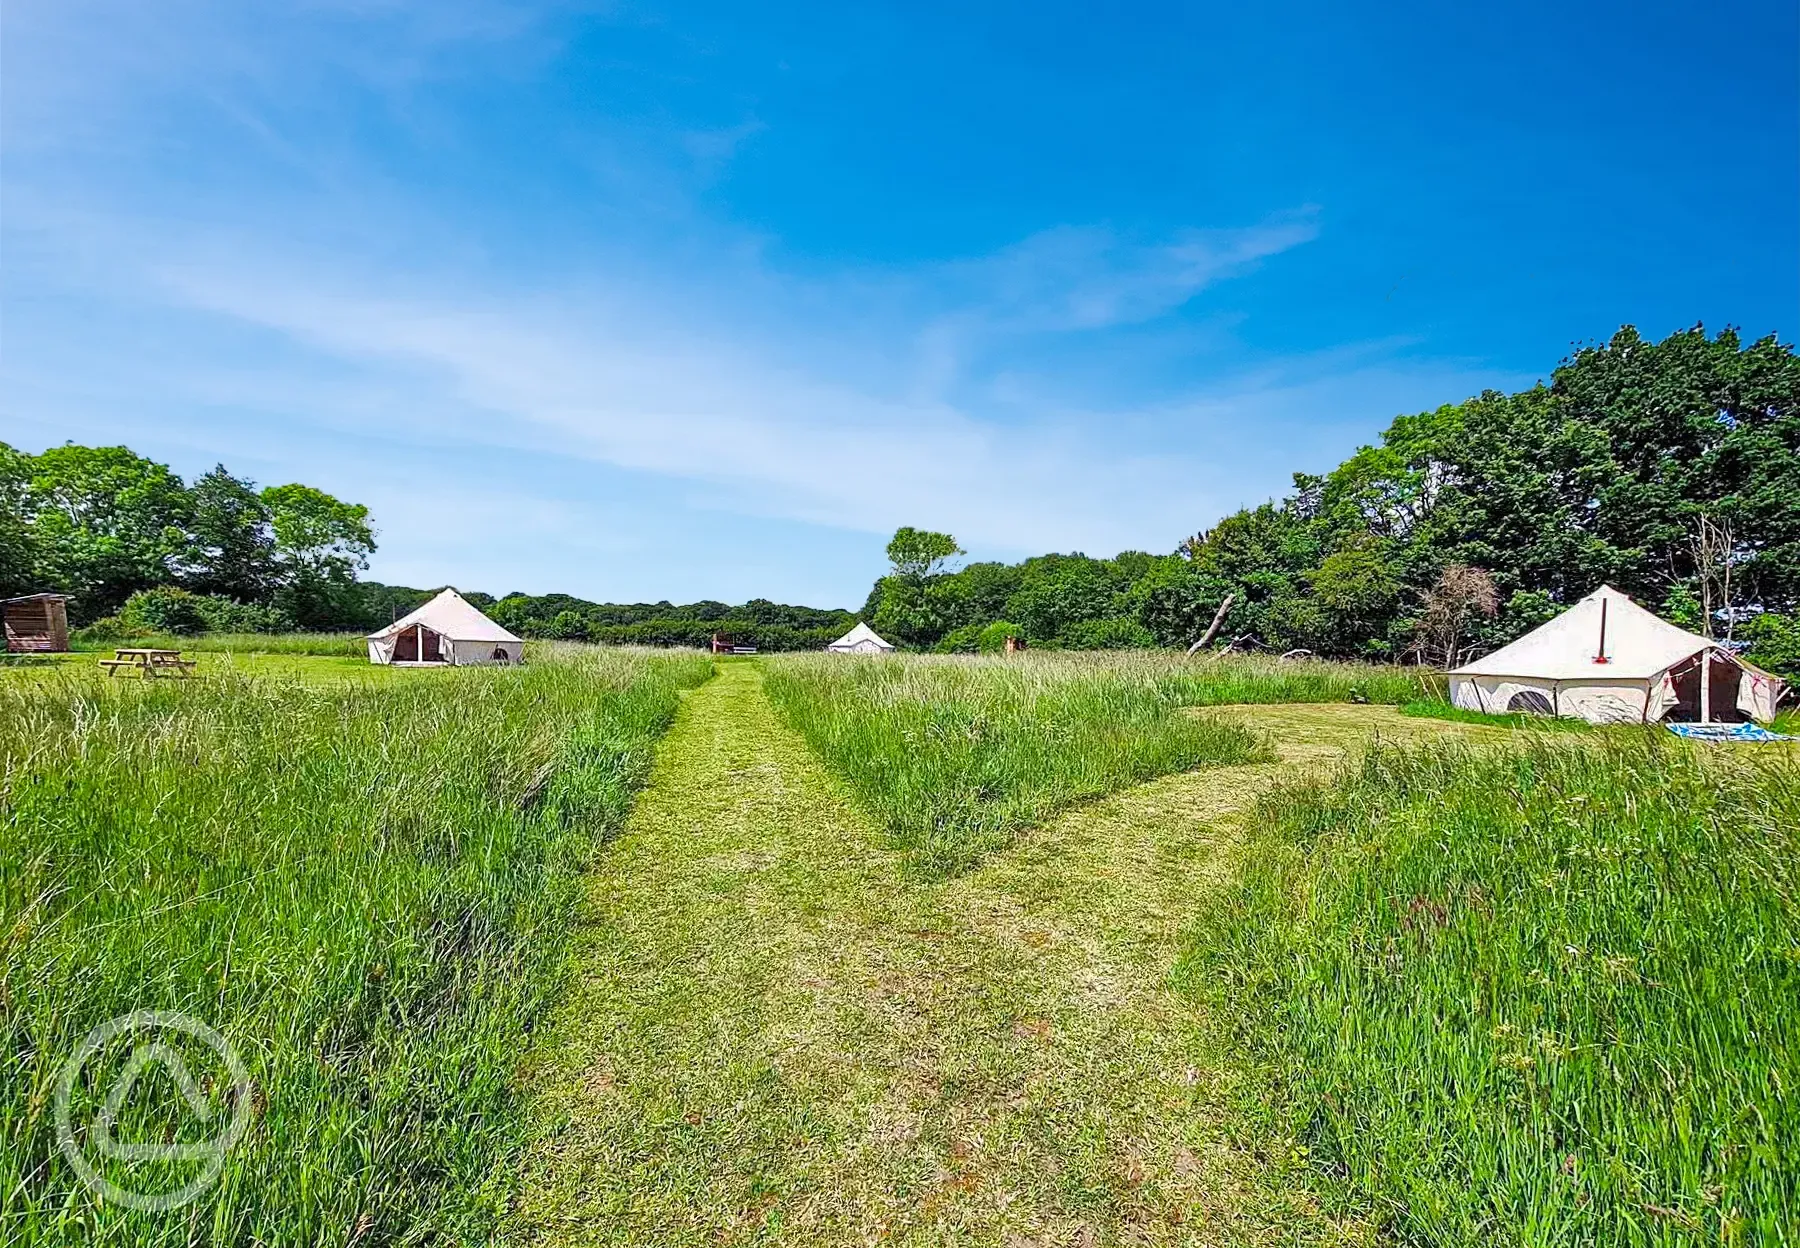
{"points": [[148, 663]]}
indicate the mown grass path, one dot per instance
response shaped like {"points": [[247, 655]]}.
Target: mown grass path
{"points": [[776, 1037]]}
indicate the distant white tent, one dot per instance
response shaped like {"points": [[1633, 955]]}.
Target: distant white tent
{"points": [[860, 640], [446, 630], [1607, 660]]}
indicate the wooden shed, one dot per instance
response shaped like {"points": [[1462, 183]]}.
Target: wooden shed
{"points": [[36, 624]]}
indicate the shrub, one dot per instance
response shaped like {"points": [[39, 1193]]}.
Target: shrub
{"points": [[1118, 633], [964, 640], [1775, 644], [108, 628], [171, 611], [568, 626], [227, 615], [992, 639], [164, 609]]}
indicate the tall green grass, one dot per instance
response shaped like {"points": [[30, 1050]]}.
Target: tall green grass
{"points": [[955, 756], [365, 886], [1246, 679], [1548, 997]]}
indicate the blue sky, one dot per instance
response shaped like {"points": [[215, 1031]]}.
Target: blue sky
{"points": [[642, 302]]}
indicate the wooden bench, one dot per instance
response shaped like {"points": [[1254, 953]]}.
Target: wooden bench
{"points": [[148, 663]]}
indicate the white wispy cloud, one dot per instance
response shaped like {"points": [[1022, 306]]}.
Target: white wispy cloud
{"points": [[760, 410], [325, 318], [760, 407], [1074, 278]]}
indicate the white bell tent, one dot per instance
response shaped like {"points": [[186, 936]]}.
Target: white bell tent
{"points": [[860, 640], [1607, 660], [445, 631]]}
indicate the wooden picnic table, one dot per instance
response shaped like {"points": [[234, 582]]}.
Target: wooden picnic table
{"points": [[147, 662]]}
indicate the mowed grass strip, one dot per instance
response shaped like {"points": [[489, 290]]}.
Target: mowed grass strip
{"points": [[1538, 996], [778, 1035], [955, 756], [364, 886]]}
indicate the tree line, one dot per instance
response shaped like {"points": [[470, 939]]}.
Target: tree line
{"points": [[112, 529], [1670, 470], [139, 550], [761, 623]]}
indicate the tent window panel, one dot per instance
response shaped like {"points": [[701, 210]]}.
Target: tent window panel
{"points": [[1529, 702]]}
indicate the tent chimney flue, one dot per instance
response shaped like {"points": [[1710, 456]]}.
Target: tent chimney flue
{"points": [[1601, 657]]}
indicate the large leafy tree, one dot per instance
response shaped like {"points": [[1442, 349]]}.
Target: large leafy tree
{"points": [[232, 551], [1059, 591], [919, 553], [1695, 424], [1175, 600], [18, 549], [104, 523], [320, 544], [1358, 593]]}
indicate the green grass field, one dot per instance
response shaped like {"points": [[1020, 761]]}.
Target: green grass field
{"points": [[364, 885], [1062, 949], [1544, 995], [956, 755], [342, 645]]}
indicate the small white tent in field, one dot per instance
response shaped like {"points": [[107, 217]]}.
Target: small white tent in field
{"points": [[860, 640], [446, 630], [1607, 660]]}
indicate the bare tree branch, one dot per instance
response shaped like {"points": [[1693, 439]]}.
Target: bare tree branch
{"points": [[1212, 629]]}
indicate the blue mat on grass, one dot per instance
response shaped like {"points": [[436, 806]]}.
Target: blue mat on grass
{"points": [[1728, 732]]}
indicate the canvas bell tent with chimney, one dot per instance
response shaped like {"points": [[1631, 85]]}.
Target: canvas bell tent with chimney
{"points": [[1607, 660], [860, 640], [445, 632]]}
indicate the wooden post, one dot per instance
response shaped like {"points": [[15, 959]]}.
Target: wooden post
{"points": [[1706, 687]]}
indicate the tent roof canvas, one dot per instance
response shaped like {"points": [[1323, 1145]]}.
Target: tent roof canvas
{"points": [[862, 632], [1639, 645], [451, 615]]}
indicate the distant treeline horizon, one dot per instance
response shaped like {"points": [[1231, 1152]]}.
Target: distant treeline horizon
{"points": [[1670, 470], [761, 623]]}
